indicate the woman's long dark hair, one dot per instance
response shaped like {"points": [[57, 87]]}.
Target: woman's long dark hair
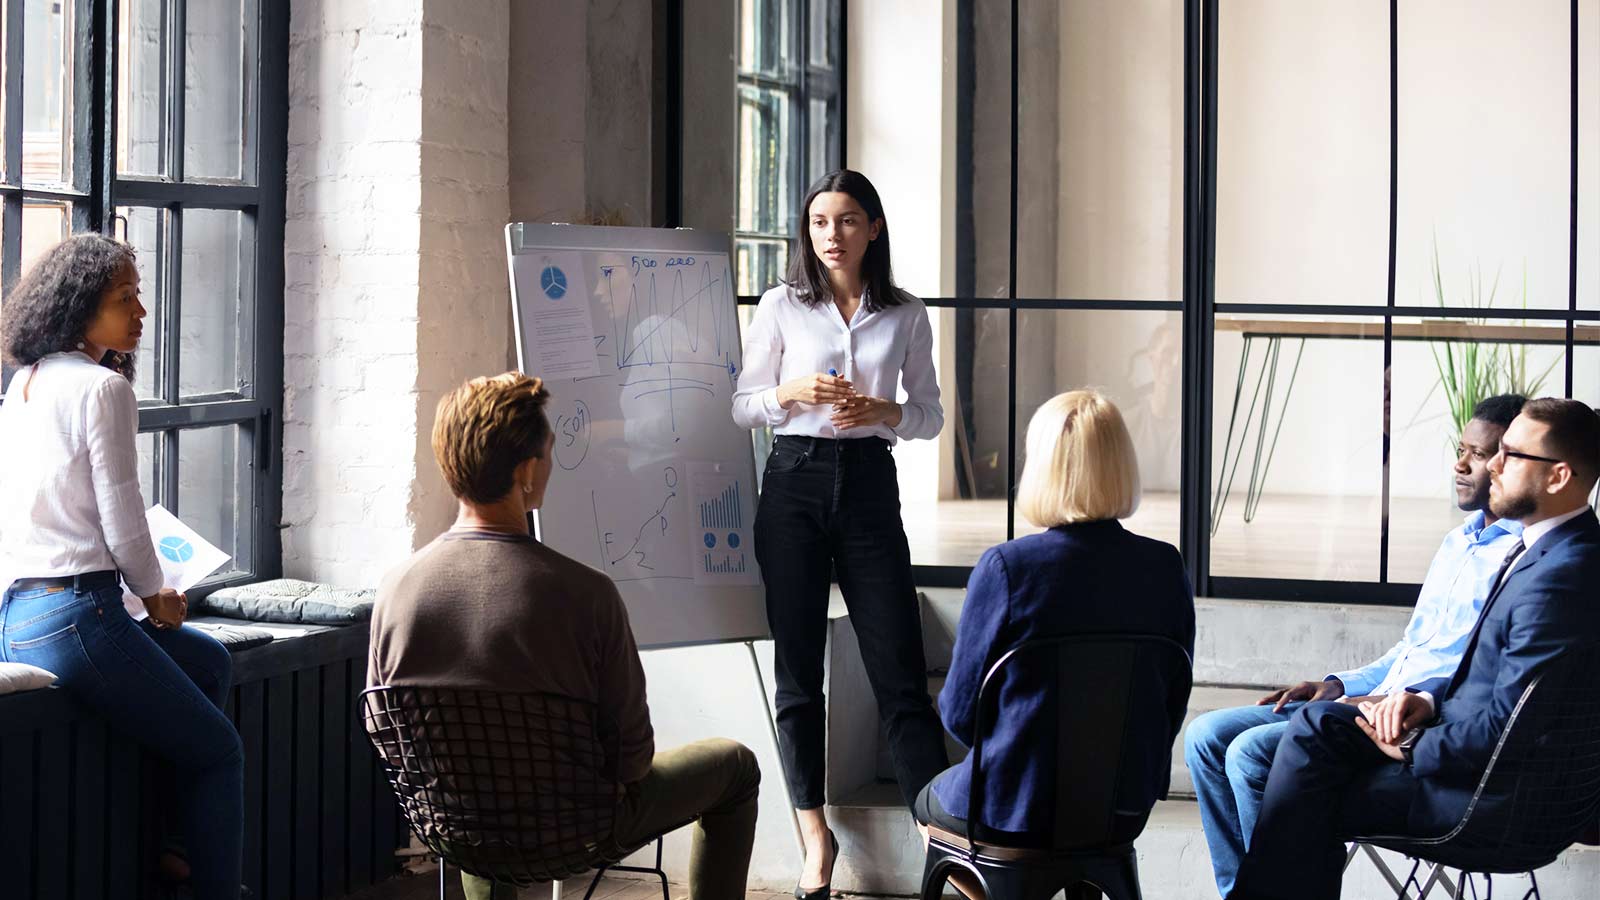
{"points": [[809, 277], [53, 304]]}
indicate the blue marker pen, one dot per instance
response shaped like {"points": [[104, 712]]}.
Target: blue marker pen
{"points": [[833, 372]]}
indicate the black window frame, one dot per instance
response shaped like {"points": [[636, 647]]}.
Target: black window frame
{"points": [[799, 88], [258, 195], [1199, 307]]}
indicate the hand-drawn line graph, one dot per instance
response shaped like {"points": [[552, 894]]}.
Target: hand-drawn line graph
{"points": [[671, 321], [631, 554]]}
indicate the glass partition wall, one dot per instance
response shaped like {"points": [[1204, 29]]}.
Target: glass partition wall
{"points": [[1286, 239]]}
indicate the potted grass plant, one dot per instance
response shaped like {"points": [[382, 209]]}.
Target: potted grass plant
{"points": [[1470, 371]]}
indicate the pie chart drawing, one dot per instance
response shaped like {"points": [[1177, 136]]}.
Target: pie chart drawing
{"points": [[553, 282], [176, 549]]}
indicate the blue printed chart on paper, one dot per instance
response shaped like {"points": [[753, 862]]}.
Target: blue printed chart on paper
{"points": [[636, 333]]}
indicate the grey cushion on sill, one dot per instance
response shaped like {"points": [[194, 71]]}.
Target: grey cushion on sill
{"points": [[291, 601]]}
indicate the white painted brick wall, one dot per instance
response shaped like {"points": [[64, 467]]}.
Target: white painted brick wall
{"points": [[395, 277]]}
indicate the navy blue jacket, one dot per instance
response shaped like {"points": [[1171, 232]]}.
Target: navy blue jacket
{"points": [[1546, 605], [1086, 578]]}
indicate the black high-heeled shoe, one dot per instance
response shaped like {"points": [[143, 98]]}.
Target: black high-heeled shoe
{"points": [[821, 893]]}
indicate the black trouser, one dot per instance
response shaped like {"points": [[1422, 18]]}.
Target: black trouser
{"points": [[1329, 781], [837, 502]]}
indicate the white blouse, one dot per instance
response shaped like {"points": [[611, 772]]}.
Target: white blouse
{"points": [[69, 477], [879, 352]]}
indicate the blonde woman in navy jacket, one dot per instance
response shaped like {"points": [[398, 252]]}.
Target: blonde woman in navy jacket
{"points": [[1085, 574]]}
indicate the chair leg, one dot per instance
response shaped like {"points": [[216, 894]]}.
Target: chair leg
{"points": [[1115, 878], [443, 867], [659, 871]]}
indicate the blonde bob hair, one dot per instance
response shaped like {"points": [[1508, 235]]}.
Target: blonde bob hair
{"points": [[1080, 464]]}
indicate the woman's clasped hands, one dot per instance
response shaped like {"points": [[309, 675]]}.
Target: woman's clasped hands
{"points": [[850, 410]]}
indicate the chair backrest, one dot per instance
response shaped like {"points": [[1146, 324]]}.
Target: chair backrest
{"points": [[509, 786], [1540, 792], [1102, 684]]}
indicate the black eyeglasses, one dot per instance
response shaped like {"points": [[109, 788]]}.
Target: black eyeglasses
{"points": [[1529, 456]]}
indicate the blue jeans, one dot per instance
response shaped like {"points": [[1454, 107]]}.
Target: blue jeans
{"points": [[1229, 753], [163, 689]]}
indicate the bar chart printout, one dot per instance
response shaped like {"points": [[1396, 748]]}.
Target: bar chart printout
{"points": [[722, 504]]}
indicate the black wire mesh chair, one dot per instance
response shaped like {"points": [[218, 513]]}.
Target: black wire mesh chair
{"points": [[1102, 683], [1539, 794], [512, 787]]}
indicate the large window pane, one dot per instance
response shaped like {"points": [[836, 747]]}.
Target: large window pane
{"points": [[1303, 152], [208, 333], [144, 228], [1297, 443], [1441, 369], [953, 488], [149, 470], [822, 140], [47, 88], [5, 176], [767, 37], [1100, 155], [760, 262], [1586, 379], [1136, 360], [766, 161], [212, 483], [45, 223], [1502, 207], [822, 45], [216, 81], [1589, 156], [141, 102]]}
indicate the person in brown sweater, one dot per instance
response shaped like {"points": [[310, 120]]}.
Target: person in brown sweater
{"points": [[486, 606]]}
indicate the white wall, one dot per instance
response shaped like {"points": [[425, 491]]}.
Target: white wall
{"points": [[394, 285], [901, 60]]}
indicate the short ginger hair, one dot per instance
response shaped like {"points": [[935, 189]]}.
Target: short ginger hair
{"points": [[487, 427]]}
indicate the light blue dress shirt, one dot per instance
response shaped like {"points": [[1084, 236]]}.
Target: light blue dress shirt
{"points": [[1458, 581]]}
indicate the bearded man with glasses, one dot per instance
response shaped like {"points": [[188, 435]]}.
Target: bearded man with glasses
{"points": [[1408, 765]]}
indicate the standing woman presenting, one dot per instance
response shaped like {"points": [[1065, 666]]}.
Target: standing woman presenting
{"points": [[72, 531], [823, 359]]}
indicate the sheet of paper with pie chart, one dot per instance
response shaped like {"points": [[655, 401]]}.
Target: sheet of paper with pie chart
{"points": [[186, 557]]}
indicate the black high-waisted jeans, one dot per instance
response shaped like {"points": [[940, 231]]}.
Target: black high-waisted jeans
{"points": [[834, 505]]}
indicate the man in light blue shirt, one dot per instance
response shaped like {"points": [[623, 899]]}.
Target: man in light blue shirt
{"points": [[1230, 751]]}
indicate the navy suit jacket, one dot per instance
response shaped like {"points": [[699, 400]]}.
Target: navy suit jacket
{"points": [[1087, 578], [1546, 605]]}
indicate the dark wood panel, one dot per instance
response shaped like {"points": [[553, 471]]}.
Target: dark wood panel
{"points": [[89, 810], [250, 719], [278, 869], [307, 786], [333, 755], [363, 762], [18, 761], [53, 819], [123, 814], [80, 810]]}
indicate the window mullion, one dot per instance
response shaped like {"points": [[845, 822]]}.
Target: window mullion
{"points": [[172, 87], [102, 143], [13, 91], [172, 305]]}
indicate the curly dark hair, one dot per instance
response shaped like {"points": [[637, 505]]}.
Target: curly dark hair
{"points": [[50, 308]]}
